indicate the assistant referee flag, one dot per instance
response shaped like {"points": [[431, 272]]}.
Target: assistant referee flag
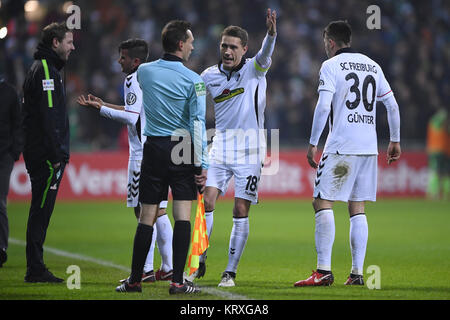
{"points": [[199, 242]]}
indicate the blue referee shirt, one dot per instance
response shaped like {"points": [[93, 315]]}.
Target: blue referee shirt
{"points": [[174, 101]]}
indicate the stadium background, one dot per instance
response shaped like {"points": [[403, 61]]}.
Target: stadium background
{"points": [[412, 47]]}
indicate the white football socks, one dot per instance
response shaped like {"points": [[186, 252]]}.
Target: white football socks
{"points": [[209, 218], [324, 237], [164, 241], [238, 239], [359, 233]]}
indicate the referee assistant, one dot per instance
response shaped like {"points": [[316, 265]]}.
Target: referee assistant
{"points": [[174, 100], [46, 129]]}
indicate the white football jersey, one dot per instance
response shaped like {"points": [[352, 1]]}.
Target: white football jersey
{"points": [[356, 82], [239, 104], [133, 103]]}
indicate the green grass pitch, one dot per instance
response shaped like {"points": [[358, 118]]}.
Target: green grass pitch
{"points": [[408, 240]]}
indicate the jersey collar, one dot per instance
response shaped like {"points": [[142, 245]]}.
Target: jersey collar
{"points": [[171, 57], [345, 50], [229, 73]]}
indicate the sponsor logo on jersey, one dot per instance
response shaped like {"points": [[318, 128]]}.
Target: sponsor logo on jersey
{"points": [[228, 94], [48, 85], [200, 89], [131, 98]]}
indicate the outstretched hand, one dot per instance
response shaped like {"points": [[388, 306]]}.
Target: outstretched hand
{"points": [[271, 22], [91, 101]]}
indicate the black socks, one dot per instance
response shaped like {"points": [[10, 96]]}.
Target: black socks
{"points": [[180, 246], [142, 241]]}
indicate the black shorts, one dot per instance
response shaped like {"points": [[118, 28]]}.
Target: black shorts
{"points": [[158, 172]]}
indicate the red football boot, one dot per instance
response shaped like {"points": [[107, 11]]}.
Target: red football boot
{"points": [[316, 279], [163, 276]]}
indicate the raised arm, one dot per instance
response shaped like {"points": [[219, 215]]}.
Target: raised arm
{"points": [[265, 53]]}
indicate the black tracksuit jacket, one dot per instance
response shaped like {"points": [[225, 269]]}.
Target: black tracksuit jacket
{"points": [[45, 117]]}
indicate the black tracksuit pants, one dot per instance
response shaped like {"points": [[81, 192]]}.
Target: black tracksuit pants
{"points": [[45, 181]]}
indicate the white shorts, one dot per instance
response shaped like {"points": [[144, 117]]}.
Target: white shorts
{"points": [[246, 179], [346, 178], [134, 174]]}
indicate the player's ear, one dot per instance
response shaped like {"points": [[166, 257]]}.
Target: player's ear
{"points": [[136, 62], [332, 42], [245, 49], [180, 45], [55, 42]]}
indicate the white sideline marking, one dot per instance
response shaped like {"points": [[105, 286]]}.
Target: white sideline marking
{"points": [[62, 253]]}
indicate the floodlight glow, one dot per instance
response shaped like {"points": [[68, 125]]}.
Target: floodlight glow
{"points": [[31, 5], [3, 32]]}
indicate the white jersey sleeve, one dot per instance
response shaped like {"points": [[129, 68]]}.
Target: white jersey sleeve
{"points": [[321, 114], [327, 78], [264, 56], [128, 118], [384, 89]]}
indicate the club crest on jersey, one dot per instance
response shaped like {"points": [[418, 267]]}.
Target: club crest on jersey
{"points": [[131, 98], [228, 94]]}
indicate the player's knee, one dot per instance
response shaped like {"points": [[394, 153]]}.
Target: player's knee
{"points": [[161, 212], [137, 211], [315, 204], [240, 210], [209, 203]]}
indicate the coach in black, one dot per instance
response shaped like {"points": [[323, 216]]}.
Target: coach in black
{"points": [[11, 144], [46, 129]]}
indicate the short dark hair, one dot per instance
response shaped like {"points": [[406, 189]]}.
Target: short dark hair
{"points": [[339, 31], [54, 30], [174, 32], [137, 48], [238, 32]]}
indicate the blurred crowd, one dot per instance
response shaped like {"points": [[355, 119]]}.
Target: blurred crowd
{"points": [[412, 46]]}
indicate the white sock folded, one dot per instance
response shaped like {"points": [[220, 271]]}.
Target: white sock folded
{"points": [[359, 233], [238, 239], [324, 236], [148, 266], [209, 218], [164, 241]]}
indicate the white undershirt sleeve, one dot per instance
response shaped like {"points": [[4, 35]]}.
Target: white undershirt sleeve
{"points": [[265, 53], [123, 116], [393, 115], [321, 114]]}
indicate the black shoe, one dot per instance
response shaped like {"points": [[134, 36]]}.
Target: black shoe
{"points": [[129, 287], [3, 256], [187, 288], [45, 276], [354, 279]]}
